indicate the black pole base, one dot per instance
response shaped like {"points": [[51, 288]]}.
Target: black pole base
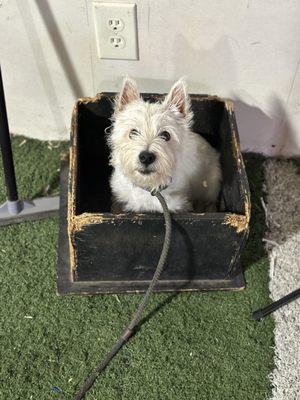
{"points": [[21, 211]]}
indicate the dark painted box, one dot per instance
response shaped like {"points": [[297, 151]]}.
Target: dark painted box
{"points": [[105, 252]]}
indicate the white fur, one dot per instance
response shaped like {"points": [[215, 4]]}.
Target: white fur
{"points": [[186, 164]]}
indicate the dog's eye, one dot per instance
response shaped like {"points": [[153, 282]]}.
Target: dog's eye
{"points": [[165, 136], [133, 133]]}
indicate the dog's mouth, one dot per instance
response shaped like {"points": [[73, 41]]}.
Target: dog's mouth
{"points": [[145, 171]]}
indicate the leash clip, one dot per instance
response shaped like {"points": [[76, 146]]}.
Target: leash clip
{"points": [[158, 190]]}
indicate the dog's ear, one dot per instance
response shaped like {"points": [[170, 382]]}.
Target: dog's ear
{"points": [[128, 93], [178, 98]]}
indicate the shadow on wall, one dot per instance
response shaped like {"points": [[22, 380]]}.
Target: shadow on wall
{"points": [[208, 70], [211, 71], [216, 71], [42, 66], [255, 127], [259, 132], [285, 135], [146, 85], [60, 47], [216, 65], [56, 37]]}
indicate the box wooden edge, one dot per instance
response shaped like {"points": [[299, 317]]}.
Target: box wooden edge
{"points": [[239, 222]]}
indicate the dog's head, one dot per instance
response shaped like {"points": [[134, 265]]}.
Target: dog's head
{"points": [[146, 138]]}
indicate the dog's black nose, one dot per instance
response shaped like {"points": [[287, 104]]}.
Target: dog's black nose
{"points": [[147, 158]]}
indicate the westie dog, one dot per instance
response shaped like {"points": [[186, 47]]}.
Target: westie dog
{"points": [[153, 147]]}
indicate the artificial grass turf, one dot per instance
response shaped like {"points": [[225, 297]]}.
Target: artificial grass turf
{"points": [[194, 346]]}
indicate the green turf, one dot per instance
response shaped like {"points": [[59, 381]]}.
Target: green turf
{"points": [[195, 346]]}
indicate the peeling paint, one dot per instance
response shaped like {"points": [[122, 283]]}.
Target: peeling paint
{"points": [[79, 221], [239, 222], [72, 186], [229, 106], [235, 143], [236, 150], [247, 206], [85, 100]]}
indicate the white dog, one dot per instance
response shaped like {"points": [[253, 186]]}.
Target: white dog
{"points": [[153, 147]]}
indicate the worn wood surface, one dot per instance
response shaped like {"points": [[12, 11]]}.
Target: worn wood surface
{"points": [[67, 285], [119, 249]]}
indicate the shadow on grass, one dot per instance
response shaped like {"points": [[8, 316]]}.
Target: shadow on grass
{"points": [[254, 249]]}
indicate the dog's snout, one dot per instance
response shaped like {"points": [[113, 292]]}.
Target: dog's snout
{"points": [[147, 158]]}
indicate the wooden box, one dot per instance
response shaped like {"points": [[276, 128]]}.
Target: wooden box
{"points": [[103, 252]]}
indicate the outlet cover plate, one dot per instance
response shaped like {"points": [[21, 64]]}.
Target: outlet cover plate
{"points": [[116, 20]]}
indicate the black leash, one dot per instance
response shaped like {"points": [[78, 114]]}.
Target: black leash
{"points": [[129, 331]]}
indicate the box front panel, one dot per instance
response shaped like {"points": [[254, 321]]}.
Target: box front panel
{"points": [[129, 250]]}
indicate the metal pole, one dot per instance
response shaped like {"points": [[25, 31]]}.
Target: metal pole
{"points": [[13, 203], [263, 312], [14, 211]]}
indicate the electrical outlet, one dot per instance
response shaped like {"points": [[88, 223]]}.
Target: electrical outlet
{"points": [[117, 41], [116, 30], [115, 24]]}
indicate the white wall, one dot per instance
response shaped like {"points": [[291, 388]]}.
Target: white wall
{"points": [[246, 50]]}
